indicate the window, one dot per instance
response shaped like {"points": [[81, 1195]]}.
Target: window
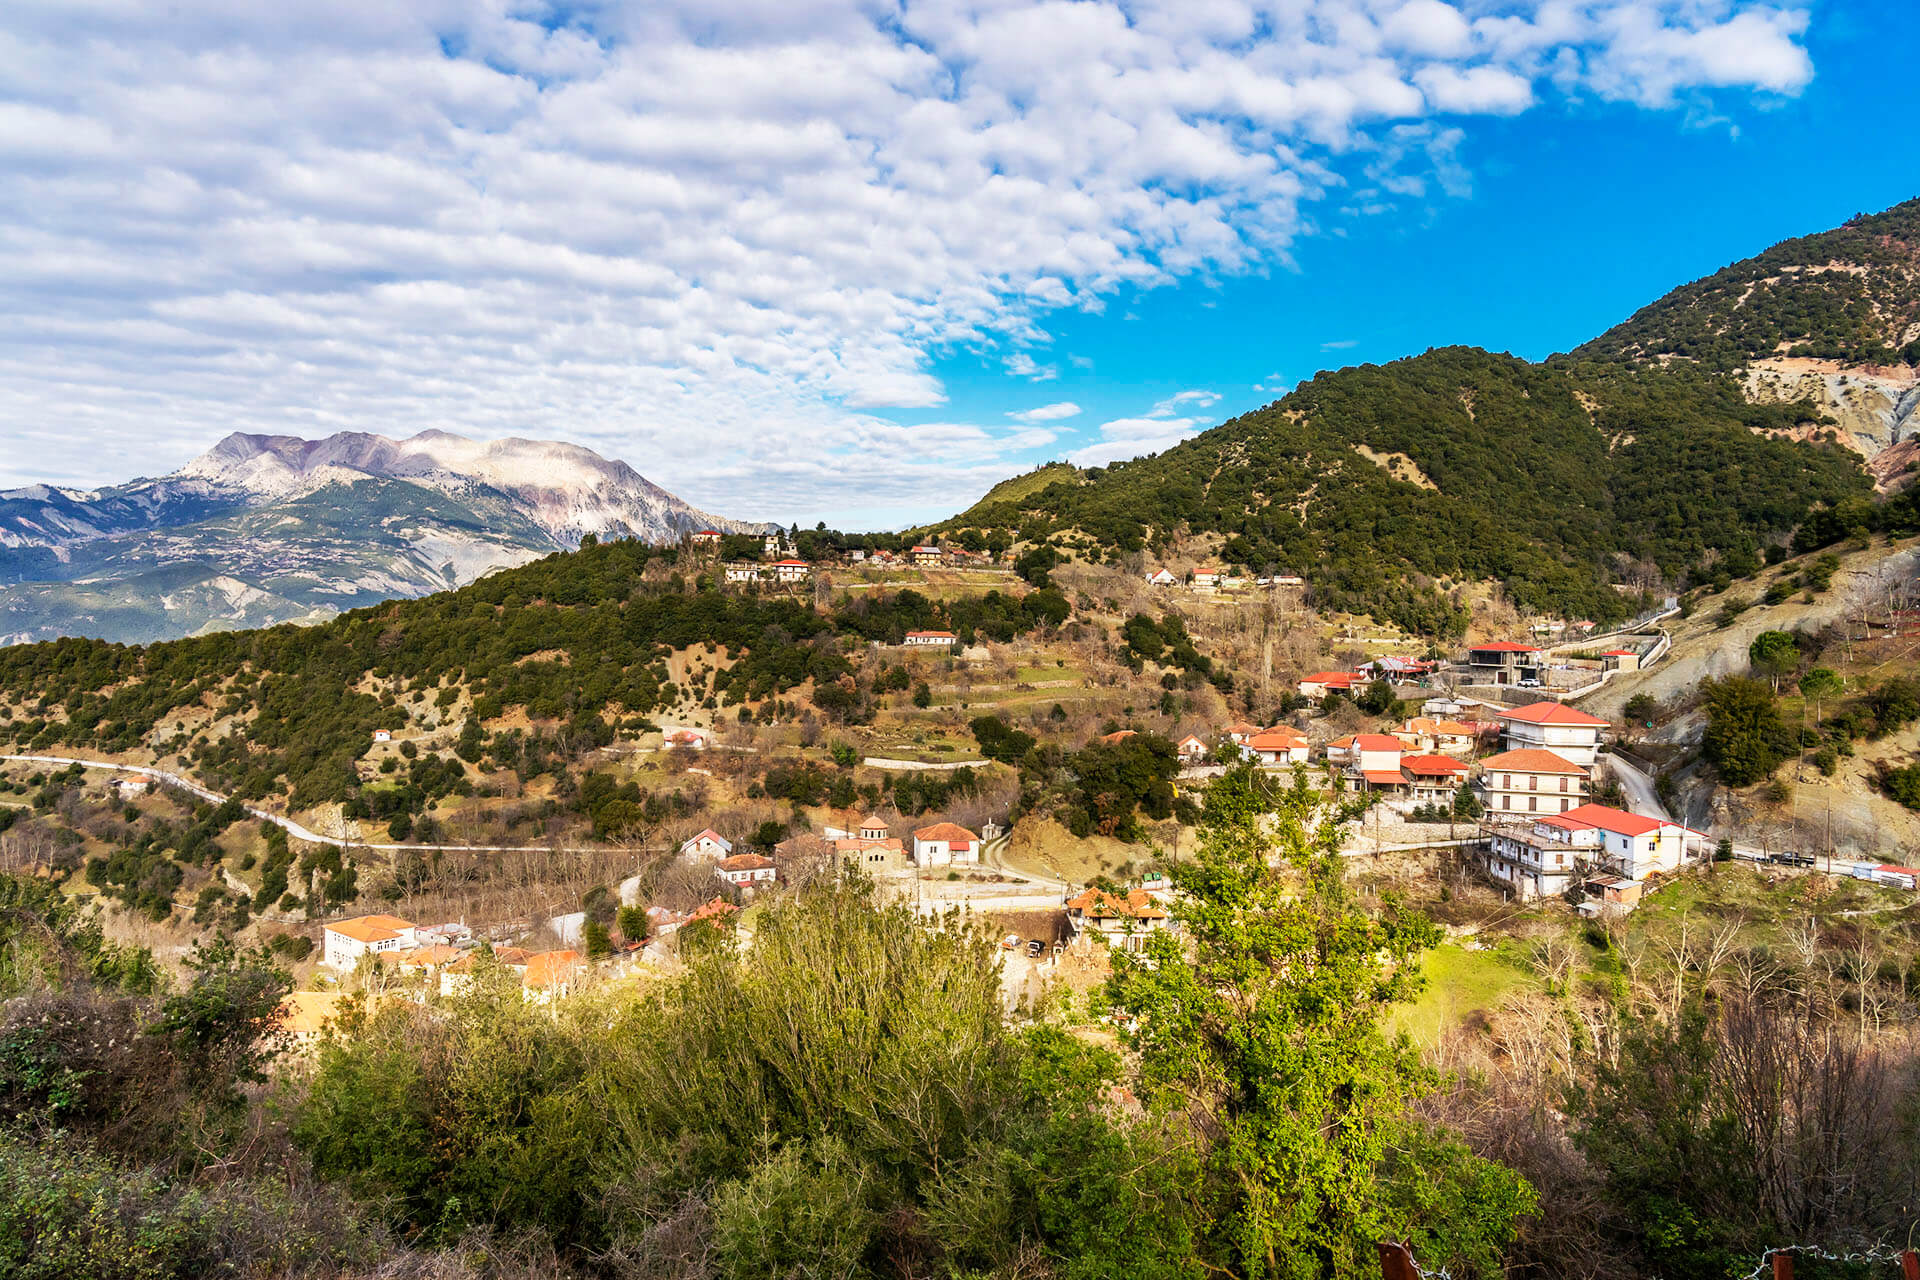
{"points": [[1563, 783], [1533, 803]]}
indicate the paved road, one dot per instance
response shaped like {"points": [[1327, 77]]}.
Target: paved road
{"points": [[1641, 796], [288, 825]]}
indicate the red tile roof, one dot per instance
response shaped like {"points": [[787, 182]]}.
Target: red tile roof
{"points": [[1378, 742], [1385, 777], [370, 928], [1617, 821], [951, 832], [1276, 740], [1101, 905], [1553, 713], [549, 968], [745, 862], [1427, 766], [1530, 760]]}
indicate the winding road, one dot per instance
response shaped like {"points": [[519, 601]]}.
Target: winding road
{"points": [[292, 828]]}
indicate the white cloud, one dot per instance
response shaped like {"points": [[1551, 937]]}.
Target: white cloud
{"points": [[1048, 412], [1340, 344], [1183, 399], [717, 239]]}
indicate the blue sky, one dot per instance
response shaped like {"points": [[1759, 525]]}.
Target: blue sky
{"points": [[855, 260]]}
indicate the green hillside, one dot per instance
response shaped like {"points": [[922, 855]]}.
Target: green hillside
{"points": [[1851, 294], [1548, 478]]}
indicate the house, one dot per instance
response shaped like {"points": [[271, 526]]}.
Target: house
{"points": [[1122, 922], [1630, 844], [1424, 733], [1516, 785], [1205, 578], [1163, 578], [742, 571], [931, 639], [1239, 734], [705, 538], [128, 788], [345, 941], [857, 555], [798, 858], [924, 555], [1545, 857], [777, 543], [383, 735], [745, 870], [1431, 778], [709, 844], [718, 914], [1505, 662], [551, 975], [943, 844], [1398, 670], [1284, 580], [1538, 860], [791, 570], [305, 1015], [1321, 683], [1278, 747], [1566, 731], [1619, 660], [1193, 748]]}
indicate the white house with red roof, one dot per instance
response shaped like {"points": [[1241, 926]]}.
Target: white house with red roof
{"points": [[1621, 850], [745, 870], [1241, 733], [791, 570], [1122, 922], [1425, 733], [924, 555], [1432, 779], [1162, 578], [705, 538], [709, 844], [931, 639], [1193, 748], [345, 941], [943, 844], [1321, 683], [1568, 732], [1278, 747], [1206, 577], [1531, 782]]}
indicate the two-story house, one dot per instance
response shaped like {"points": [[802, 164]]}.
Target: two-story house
{"points": [[1518, 785], [1566, 731], [345, 941]]}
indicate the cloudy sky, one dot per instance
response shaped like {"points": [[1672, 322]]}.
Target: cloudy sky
{"points": [[855, 260]]}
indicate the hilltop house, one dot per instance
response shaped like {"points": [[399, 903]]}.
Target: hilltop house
{"points": [[1432, 779], [1119, 922], [1205, 578], [1505, 662], [1321, 683], [1621, 850], [551, 976], [1162, 578], [742, 571], [924, 555], [931, 639], [791, 570], [1424, 733], [705, 538], [1552, 726], [1193, 748], [1241, 734], [345, 941], [943, 844], [745, 870], [709, 844], [1278, 747], [1516, 785]]}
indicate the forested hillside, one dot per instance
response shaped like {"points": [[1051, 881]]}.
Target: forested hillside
{"points": [[1461, 465], [1849, 294]]}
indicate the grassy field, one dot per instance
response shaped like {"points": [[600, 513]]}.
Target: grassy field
{"points": [[1460, 983]]}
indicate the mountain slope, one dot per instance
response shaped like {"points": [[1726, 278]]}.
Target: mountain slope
{"points": [[267, 529]]}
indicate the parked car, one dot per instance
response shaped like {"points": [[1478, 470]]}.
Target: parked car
{"points": [[1035, 947], [1011, 942]]}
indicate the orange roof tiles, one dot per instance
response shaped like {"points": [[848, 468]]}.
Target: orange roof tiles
{"points": [[1384, 777], [550, 968], [1101, 905], [1377, 742], [370, 928], [951, 832], [1553, 713], [745, 862], [1530, 760], [1428, 766]]}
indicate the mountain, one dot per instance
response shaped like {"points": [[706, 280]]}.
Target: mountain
{"points": [[1678, 447], [266, 529]]}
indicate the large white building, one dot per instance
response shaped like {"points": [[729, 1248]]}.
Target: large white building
{"points": [[345, 941], [943, 844], [1543, 858], [1517, 785], [1569, 733]]}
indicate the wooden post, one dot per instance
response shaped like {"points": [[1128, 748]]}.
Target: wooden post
{"points": [[1910, 1265], [1782, 1266], [1396, 1262]]}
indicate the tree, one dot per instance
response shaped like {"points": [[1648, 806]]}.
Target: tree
{"points": [[1641, 708], [1819, 685], [922, 695], [1774, 655], [1264, 1026], [594, 935], [1745, 739]]}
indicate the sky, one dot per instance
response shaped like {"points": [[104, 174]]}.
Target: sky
{"points": [[854, 261]]}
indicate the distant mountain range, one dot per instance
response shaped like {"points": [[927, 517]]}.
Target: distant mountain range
{"points": [[266, 529], [1679, 446]]}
